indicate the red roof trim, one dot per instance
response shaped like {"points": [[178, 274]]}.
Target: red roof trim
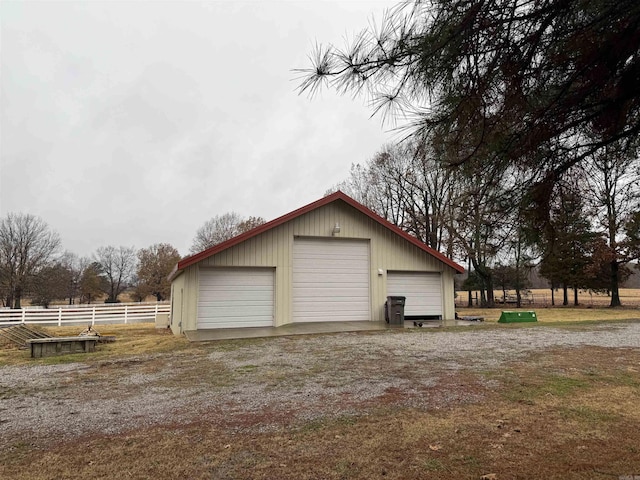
{"points": [[185, 262]]}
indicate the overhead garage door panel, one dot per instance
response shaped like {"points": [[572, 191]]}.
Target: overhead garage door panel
{"points": [[330, 280], [232, 298], [423, 291]]}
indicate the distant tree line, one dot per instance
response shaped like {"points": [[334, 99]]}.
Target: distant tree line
{"points": [[34, 266]]}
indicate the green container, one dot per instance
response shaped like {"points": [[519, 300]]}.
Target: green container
{"points": [[513, 317]]}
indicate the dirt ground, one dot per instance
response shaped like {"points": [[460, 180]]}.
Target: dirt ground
{"points": [[552, 401]]}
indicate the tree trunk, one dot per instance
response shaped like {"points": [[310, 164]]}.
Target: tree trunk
{"points": [[486, 291], [615, 292], [575, 296], [553, 297], [490, 298], [17, 297], [470, 302], [565, 295]]}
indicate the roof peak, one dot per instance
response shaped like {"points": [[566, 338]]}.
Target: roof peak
{"points": [[337, 195]]}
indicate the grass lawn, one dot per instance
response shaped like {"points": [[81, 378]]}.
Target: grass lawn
{"points": [[135, 339], [559, 314]]}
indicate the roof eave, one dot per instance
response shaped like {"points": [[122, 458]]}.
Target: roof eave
{"points": [[175, 272]]}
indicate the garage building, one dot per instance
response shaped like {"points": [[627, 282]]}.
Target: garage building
{"points": [[332, 260]]}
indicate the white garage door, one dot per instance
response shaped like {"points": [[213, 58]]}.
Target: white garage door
{"points": [[423, 292], [330, 280], [235, 297]]}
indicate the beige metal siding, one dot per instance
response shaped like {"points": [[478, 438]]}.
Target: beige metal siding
{"points": [[274, 248], [190, 298], [177, 304]]}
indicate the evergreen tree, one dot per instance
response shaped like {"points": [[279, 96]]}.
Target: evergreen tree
{"points": [[565, 243], [500, 84]]}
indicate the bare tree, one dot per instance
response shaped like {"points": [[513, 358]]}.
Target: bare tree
{"points": [[75, 266], [118, 266], [522, 254], [250, 223], [615, 193], [92, 284], [432, 188], [51, 283], [221, 228], [406, 184], [154, 266], [482, 223], [216, 230], [632, 231], [27, 245], [358, 185]]}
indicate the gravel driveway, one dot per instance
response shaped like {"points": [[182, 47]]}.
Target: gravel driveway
{"points": [[264, 384]]}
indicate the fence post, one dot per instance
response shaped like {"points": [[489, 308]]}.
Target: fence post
{"points": [[156, 312], [126, 309], [24, 315], [59, 316], [93, 315]]}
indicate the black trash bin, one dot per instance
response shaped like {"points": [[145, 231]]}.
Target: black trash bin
{"points": [[394, 310]]}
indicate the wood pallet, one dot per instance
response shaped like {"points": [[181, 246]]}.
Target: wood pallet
{"points": [[21, 334]]}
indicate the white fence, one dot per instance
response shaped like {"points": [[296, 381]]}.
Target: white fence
{"points": [[74, 314]]}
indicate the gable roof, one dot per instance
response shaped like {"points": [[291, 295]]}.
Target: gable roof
{"points": [[187, 261]]}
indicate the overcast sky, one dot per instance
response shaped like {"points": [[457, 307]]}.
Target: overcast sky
{"points": [[133, 122]]}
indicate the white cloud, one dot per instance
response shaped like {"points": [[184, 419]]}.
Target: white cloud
{"points": [[131, 123]]}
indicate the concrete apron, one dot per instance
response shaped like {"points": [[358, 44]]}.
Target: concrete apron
{"points": [[305, 329]]}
